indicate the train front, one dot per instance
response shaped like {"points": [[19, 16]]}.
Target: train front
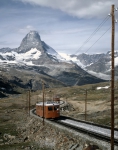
{"points": [[51, 109]]}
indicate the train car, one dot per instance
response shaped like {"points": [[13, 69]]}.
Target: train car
{"points": [[51, 109]]}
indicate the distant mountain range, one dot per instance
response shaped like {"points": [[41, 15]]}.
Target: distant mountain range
{"points": [[96, 64], [34, 60]]}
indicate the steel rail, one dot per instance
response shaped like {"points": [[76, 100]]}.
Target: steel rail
{"points": [[82, 129], [90, 133], [88, 122]]}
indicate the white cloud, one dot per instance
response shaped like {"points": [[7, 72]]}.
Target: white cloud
{"points": [[26, 29], [78, 8], [59, 29]]}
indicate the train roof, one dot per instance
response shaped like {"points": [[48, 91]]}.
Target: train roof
{"points": [[48, 103]]}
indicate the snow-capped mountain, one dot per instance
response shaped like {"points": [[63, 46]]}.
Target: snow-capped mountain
{"points": [[32, 51], [71, 58], [96, 64], [87, 59], [34, 59]]}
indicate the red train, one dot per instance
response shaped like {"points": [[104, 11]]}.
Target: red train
{"points": [[51, 109]]}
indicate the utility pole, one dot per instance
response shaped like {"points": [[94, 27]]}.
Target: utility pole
{"points": [[85, 104], [43, 100], [112, 78], [29, 101]]}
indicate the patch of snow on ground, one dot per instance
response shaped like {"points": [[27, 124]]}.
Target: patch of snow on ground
{"points": [[22, 57], [33, 53], [74, 59], [105, 87], [66, 56], [99, 75], [4, 55]]}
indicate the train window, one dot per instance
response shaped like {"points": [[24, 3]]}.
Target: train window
{"points": [[56, 108], [50, 108]]}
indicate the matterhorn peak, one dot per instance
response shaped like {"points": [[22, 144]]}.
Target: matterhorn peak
{"points": [[31, 40], [33, 35]]}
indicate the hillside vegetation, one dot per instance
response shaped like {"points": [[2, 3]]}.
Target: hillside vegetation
{"points": [[14, 110]]}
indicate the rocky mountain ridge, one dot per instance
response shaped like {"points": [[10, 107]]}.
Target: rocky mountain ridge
{"points": [[34, 60], [96, 64], [86, 59], [103, 64]]}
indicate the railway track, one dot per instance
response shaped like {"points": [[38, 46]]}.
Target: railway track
{"points": [[97, 131]]}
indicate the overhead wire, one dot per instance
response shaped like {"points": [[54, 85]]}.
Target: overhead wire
{"points": [[97, 29], [98, 39]]}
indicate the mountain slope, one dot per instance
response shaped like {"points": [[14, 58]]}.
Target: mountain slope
{"points": [[38, 59]]}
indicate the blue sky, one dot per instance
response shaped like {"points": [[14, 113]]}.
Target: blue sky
{"points": [[63, 24]]}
